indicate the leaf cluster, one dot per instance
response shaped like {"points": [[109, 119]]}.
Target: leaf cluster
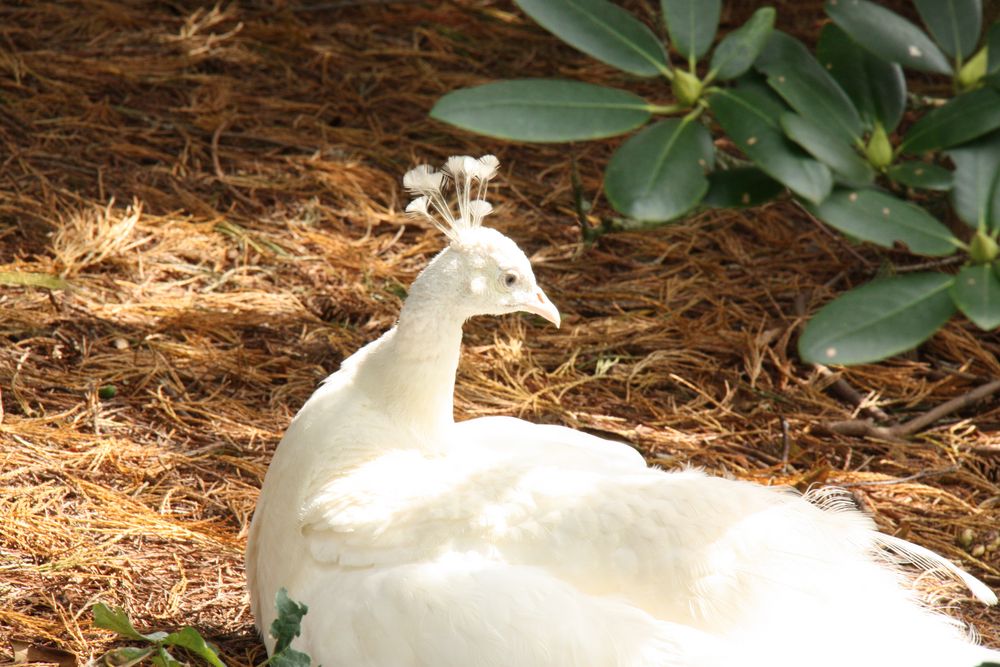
{"points": [[156, 646], [823, 128]]}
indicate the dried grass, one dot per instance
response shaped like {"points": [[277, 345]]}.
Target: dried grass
{"points": [[221, 188]]}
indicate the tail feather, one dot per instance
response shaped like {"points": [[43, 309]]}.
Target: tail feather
{"points": [[928, 560]]}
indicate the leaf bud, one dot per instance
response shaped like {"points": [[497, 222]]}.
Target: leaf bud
{"points": [[687, 87], [973, 70], [879, 150], [983, 248]]}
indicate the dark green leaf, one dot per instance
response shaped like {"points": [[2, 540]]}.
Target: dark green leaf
{"points": [[976, 192], [288, 624], [692, 25], [736, 52], [126, 656], [993, 49], [289, 658], [739, 187], [976, 292], [602, 30], [878, 320], [543, 110], [920, 175], [115, 620], [963, 118], [828, 148], [162, 658], [29, 279], [191, 639], [954, 24], [876, 87], [872, 215], [749, 115], [659, 174], [887, 35], [793, 72]]}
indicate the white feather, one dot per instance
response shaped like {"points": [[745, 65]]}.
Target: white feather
{"points": [[479, 209], [423, 179]]}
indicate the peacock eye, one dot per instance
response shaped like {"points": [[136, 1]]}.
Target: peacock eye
{"points": [[510, 278]]}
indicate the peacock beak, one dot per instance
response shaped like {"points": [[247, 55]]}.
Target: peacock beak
{"points": [[539, 304]]}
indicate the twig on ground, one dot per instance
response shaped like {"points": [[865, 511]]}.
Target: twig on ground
{"points": [[843, 390], [786, 445], [965, 400], [899, 432], [860, 428], [942, 371], [217, 163], [923, 474]]}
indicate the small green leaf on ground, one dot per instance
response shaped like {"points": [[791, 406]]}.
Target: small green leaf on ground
{"points": [[543, 110], [115, 620], [921, 175], [692, 25], [876, 216], [749, 114], [888, 35], [163, 658], [659, 174], [30, 279], [602, 30], [877, 87], [963, 118], [976, 292], [191, 640], [126, 656], [736, 52], [740, 187], [107, 391], [878, 320]]}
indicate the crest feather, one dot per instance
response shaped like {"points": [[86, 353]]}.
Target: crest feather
{"points": [[465, 174]]}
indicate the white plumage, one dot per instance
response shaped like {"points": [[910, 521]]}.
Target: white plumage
{"points": [[418, 541]]}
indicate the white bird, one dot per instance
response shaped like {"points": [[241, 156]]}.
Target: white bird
{"points": [[418, 541]]}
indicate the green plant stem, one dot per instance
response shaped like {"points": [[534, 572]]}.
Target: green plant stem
{"points": [[696, 111], [586, 229], [664, 109]]}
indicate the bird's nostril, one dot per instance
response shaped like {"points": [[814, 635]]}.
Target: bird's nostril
{"points": [[540, 299]]}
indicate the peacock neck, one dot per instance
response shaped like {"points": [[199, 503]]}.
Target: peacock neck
{"points": [[414, 366]]}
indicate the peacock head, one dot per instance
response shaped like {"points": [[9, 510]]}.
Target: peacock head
{"points": [[485, 272]]}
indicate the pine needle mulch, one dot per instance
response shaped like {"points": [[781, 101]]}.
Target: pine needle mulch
{"points": [[220, 190]]}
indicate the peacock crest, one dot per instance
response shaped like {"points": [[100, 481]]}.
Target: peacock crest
{"points": [[469, 176]]}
